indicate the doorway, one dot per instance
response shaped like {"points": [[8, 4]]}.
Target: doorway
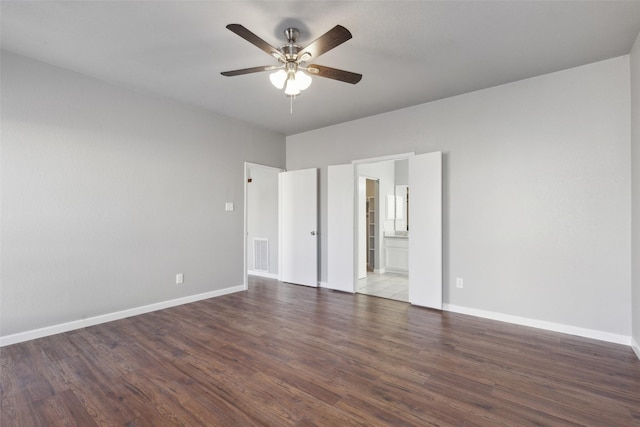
{"points": [[260, 221], [425, 213], [382, 235]]}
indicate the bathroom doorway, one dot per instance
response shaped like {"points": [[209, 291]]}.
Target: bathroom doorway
{"points": [[424, 245], [383, 237]]}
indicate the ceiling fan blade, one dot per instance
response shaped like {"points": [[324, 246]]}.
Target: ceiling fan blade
{"points": [[334, 73], [332, 38], [248, 70], [255, 40]]}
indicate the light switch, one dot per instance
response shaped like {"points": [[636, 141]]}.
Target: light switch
{"points": [[228, 207]]}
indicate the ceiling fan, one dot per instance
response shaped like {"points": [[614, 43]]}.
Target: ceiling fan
{"points": [[291, 73]]}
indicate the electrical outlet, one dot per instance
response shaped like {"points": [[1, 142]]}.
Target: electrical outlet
{"points": [[459, 283], [179, 279]]}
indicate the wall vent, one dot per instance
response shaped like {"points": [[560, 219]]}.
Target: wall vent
{"points": [[261, 254]]}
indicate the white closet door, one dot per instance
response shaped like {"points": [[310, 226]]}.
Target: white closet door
{"points": [[340, 220], [425, 230], [298, 218]]}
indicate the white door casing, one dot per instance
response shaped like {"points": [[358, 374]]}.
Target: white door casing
{"points": [[298, 221]]}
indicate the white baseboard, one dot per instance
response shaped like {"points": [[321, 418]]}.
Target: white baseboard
{"points": [[323, 284], [109, 317], [541, 324], [262, 274], [635, 347]]}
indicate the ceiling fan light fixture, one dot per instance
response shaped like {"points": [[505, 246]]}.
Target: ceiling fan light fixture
{"points": [[303, 80], [278, 78], [292, 88]]}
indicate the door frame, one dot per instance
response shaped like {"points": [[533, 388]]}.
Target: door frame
{"points": [[247, 167], [356, 254]]}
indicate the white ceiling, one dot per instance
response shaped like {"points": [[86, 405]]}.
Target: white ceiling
{"points": [[410, 52]]}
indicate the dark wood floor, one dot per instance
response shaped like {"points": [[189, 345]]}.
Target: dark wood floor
{"points": [[282, 355]]}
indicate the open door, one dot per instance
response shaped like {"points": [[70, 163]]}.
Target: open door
{"points": [[425, 230], [340, 237], [298, 220]]}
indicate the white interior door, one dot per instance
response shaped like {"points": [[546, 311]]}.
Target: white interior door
{"points": [[425, 230], [298, 220], [340, 232]]}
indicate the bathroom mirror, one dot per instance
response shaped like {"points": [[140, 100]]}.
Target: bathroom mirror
{"points": [[391, 207], [402, 208]]}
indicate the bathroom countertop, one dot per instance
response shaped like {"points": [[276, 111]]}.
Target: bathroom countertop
{"points": [[393, 235]]}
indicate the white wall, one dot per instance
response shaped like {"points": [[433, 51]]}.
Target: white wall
{"points": [[536, 191], [108, 193], [402, 172], [262, 214], [635, 180]]}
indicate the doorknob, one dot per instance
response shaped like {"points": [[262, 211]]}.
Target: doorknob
{"points": [[313, 233]]}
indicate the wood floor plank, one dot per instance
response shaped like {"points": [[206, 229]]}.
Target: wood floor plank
{"points": [[280, 354], [63, 409], [17, 409], [106, 403], [212, 410], [158, 397]]}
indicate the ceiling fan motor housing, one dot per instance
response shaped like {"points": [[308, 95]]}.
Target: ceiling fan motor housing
{"points": [[291, 50], [292, 35]]}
